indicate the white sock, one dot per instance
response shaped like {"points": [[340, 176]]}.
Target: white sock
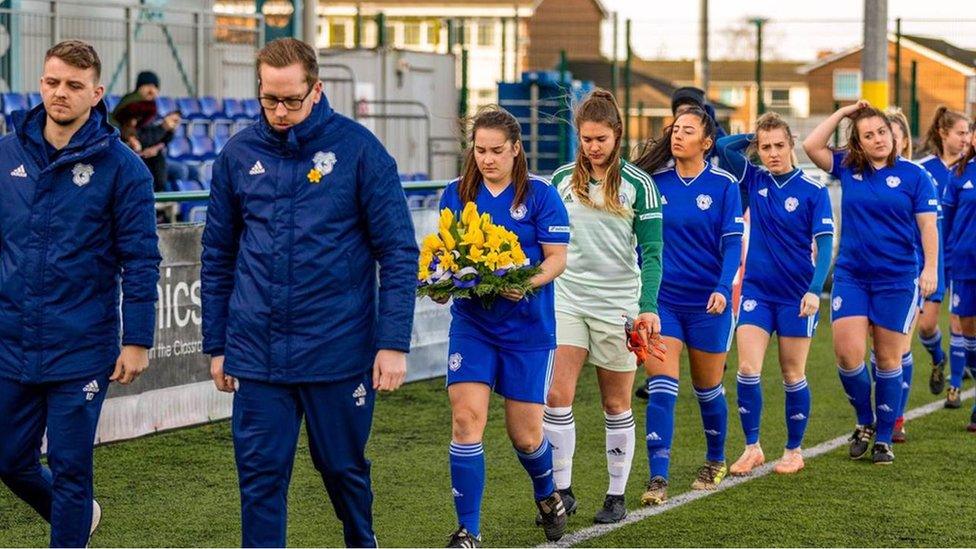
{"points": [[560, 429], [620, 450]]}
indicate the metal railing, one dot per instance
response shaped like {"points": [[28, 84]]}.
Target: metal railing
{"points": [[188, 49]]}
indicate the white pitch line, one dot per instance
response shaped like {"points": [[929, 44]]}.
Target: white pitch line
{"points": [[598, 530]]}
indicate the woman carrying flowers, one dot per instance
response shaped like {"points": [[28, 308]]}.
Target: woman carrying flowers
{"points": [[504, 344]]}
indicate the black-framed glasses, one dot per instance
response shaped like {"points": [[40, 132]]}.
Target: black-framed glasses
{"points": [[271, 103]]}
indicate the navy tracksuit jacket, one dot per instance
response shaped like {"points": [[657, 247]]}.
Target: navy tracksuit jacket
{"points": [[296, 226]]}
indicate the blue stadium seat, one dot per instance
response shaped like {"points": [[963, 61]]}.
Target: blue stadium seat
{"points": [[178, 148], [252, 108], [111, 101], [198, 128], [13, 102], [34, 99], [180, 130], [210, 106], [165, 105], [233, 108], [197, 214], [220, 141], [242, 123], [189, 106], [202, 147]]}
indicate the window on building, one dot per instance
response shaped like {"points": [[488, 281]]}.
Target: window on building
{"points": [[733, 96], [971, 90], [411, 33], [337, 34], [390, 35], [847, 85], [779, 97], [486, 33]]}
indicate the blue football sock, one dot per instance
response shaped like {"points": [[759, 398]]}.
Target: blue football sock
{"points": [[468, 483], [857, 385], [538, 464], [957, 359], [933, 345], [659, 425], [750, 403], [715, 419], [797, 412], [907, 369], [887, 395]]}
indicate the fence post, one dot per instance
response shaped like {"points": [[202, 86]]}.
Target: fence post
{"points": [[626, 151], [504, 22], [380, 30], [130, 40], [914, 99], [760, 100], [565, 128], [199, 73], [898, 62], [55, 24], [463, 98], [837, 129]]}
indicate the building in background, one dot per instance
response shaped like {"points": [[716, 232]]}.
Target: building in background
{"points": [[945, 75]]}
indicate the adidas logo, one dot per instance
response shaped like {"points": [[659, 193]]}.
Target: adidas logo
{"points": [[455, 493], [905, 385], [257, 168], [763, 192], [711, 432], [360, 393], [966, 185], [19, 171], [743, 410], [545, 474], [653, 436], [798, 417], [91, 389], [884, 408], [664, 200], [616, 452]]}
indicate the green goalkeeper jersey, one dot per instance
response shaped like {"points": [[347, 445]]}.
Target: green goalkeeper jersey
{"points": [[602, 278]]}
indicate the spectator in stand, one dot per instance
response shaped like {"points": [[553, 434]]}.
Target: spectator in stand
{"points": [[137, 119]]}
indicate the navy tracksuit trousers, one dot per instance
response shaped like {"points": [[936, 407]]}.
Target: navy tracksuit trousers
{"points": [[61, 493], [266, 422]]}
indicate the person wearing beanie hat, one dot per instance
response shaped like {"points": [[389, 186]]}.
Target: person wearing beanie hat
{"points": [[141, 129], [688, 95]]}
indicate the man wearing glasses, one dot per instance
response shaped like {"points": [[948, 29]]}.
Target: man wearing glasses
{"points": [[303, 206]]}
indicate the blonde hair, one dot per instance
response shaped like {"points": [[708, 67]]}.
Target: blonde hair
{"points": [[767, 123], [897, 117], [600, 107]]}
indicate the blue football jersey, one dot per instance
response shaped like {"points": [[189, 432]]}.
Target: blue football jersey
{"points": [[785, 219], [879, 230], [530, 323], [960, 198], [940, 173], [698, 213]]}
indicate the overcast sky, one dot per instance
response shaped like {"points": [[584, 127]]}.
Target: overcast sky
{"points": [[796, 29]]}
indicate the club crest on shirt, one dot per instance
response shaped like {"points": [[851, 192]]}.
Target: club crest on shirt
{"points": [[749, 305], [893, 181], [82, 174], [324, 162], [791, 204], [518, 212], [454, 362], [763, 192], [704, 202], [836, 303]]}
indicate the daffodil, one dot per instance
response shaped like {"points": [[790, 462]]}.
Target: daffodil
{"points": [[469, 215], [446, 220], [473, 237], [476, 254]]}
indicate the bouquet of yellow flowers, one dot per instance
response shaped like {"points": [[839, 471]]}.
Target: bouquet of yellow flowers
{"points": [[472, 257]]}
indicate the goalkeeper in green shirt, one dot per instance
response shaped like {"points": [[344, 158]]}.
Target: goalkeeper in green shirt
{"points": [[614, 208]]}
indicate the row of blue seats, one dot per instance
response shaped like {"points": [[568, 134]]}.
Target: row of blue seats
{"points": [[192, 108]]}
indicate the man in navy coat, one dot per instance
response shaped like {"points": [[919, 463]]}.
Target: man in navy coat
{"points": [[304, 205], [77, 223]]}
